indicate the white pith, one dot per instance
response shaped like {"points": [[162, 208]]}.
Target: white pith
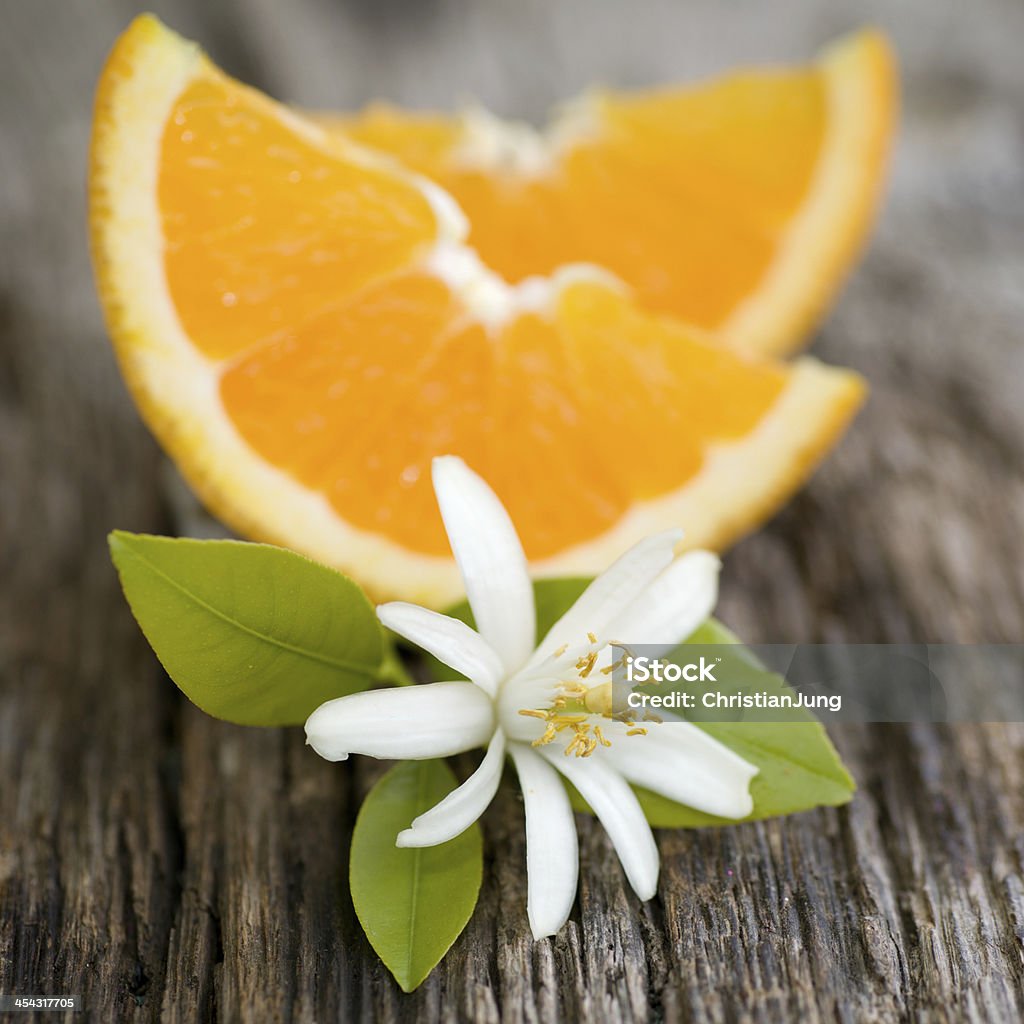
{"points": [[494, 145]]}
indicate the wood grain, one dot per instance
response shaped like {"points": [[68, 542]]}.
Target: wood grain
{"points": [[166, 866]]}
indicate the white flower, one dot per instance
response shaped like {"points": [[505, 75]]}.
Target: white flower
{"points": [[548, 706]]}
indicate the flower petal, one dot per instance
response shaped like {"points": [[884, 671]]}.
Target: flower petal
{"points": [[682, 762], [461, 807], [490, 558], [407, 722], [610, 594], [552, 855], [673, 606], [619, 811], [448, 639]]}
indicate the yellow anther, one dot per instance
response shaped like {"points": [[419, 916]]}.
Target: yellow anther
{"points": [[531, 713], [573, 689], [549, 735], [592, 638], [636, 732], [599, 736], [649, 717], [573, 744], [561, 650], [586, 665], [568, 719]]}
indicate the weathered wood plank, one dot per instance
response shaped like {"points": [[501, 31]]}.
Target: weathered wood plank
{"points": [[167, 866]]}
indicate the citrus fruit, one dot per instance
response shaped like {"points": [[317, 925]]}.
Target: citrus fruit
{"points": [[737, 204], [303, 327]]}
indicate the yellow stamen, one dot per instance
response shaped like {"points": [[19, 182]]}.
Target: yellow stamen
{"points": [[549, 735], [596, 701], [573, 689], [574, 743], [561, 650]]}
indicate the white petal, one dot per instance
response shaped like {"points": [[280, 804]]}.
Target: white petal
{"points": [[610, 594], [490, 558], [685, 764], [619, 811], [406, 722], [673, 606], [552, 855], [462, 806], [448, 639]]}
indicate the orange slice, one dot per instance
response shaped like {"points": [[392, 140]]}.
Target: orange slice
{"points": [[303, 327], [737, 205]]}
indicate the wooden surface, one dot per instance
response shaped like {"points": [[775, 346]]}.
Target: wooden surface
{"points": [[167, 866]]}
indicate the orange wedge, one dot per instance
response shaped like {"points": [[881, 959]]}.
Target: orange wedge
{"points": [[737, 205], [303, 327]]}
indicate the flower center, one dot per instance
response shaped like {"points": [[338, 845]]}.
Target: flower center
{"points": [[579, 700]]}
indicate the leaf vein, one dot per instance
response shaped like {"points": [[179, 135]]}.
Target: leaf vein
{"points": [[414, 895], [310, 655]]}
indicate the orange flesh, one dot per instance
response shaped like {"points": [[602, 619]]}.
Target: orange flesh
{"points": [[263, 227], [347, 368], [684, 194]]}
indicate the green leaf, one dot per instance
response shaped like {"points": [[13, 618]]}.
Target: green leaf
{"points": [[799, 767], [251, 633], [412, 903]]}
